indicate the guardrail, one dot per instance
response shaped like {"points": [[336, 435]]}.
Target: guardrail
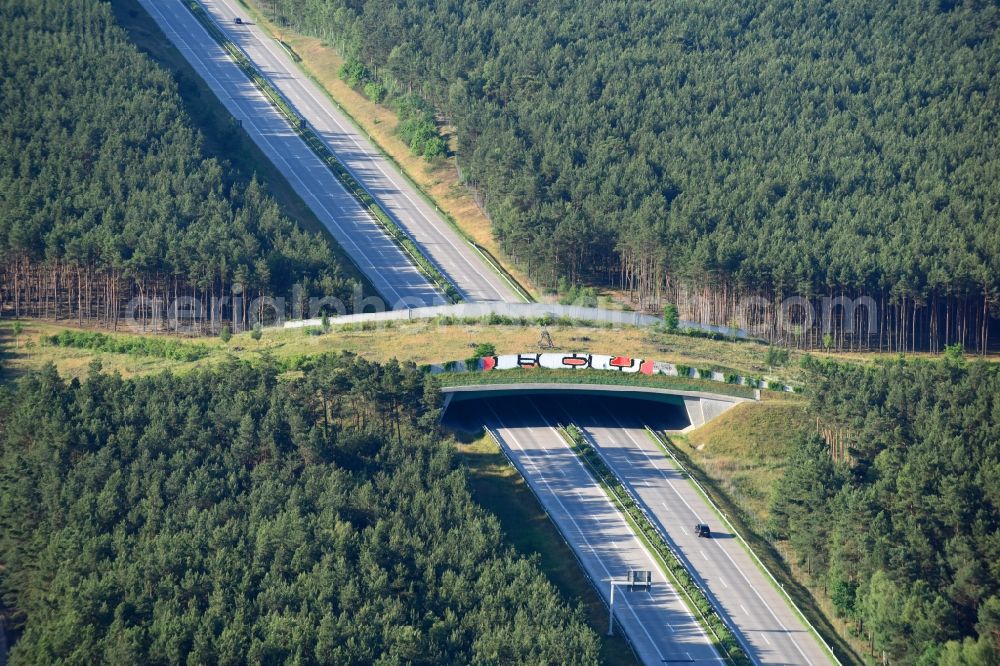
{"points": [[652, 523], [491, 260], [497, 267], [503, 449], [718, 510], [340, 170]]}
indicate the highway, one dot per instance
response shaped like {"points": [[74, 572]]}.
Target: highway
{"points": [[659, 626], [377, 255], [453, 256], [769, 628]]}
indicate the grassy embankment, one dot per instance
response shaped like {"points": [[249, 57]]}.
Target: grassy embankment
{"points": [[223, 138], [438, 179]]}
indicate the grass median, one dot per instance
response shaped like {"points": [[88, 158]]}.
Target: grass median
{"points": [[743, 502], [716, 629], [339, 170], [438, 181]]}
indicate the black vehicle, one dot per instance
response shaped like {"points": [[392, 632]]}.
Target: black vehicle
{"points": [[238, 21], [701, 530]]}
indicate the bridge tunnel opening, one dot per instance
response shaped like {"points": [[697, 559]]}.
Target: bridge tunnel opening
{"points": [[470, 412]]}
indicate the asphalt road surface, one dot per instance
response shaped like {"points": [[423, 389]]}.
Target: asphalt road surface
{"points": [[659, 626], [769, 628], [381, 260], [657, 622], [454, 257]]}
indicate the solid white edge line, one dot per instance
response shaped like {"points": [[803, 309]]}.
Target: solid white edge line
{"points": [[374, 159], [272, 153]]}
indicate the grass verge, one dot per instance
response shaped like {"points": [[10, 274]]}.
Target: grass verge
{"points": [[498, 488], [745, 450], [661, 441], [740, 519], [716, 629], [224, 139], [437, 181], [394, 231]]}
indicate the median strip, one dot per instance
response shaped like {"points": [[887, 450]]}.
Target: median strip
{"points": [[541, 505], [316, 144], [492, 261], [696, 599], [667, 447]]}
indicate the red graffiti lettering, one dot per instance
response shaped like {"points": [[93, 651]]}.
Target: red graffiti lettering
{"points": [[620, 362], [576, 361]]}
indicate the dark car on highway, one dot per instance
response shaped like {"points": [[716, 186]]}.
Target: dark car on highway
{"points": [[701, 530]]}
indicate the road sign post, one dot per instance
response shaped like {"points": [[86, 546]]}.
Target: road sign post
{"points": [[611, 611], [638, 579]]}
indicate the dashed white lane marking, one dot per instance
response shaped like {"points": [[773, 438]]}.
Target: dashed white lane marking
{"points": [[719, 544], [555, 496], [203, 67], [764, 636], [277, 62], [744, 609]]}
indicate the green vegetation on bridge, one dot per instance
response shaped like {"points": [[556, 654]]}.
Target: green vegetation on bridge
{"points": [[592, 377]]}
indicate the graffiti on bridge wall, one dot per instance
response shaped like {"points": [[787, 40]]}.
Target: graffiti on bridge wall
{"points": [[582, 361], [576, 361]]}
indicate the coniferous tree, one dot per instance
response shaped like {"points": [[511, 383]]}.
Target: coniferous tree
{"points": [[233, 516]]}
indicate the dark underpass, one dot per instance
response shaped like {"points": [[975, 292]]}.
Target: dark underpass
{"points": [[469, 414]]}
